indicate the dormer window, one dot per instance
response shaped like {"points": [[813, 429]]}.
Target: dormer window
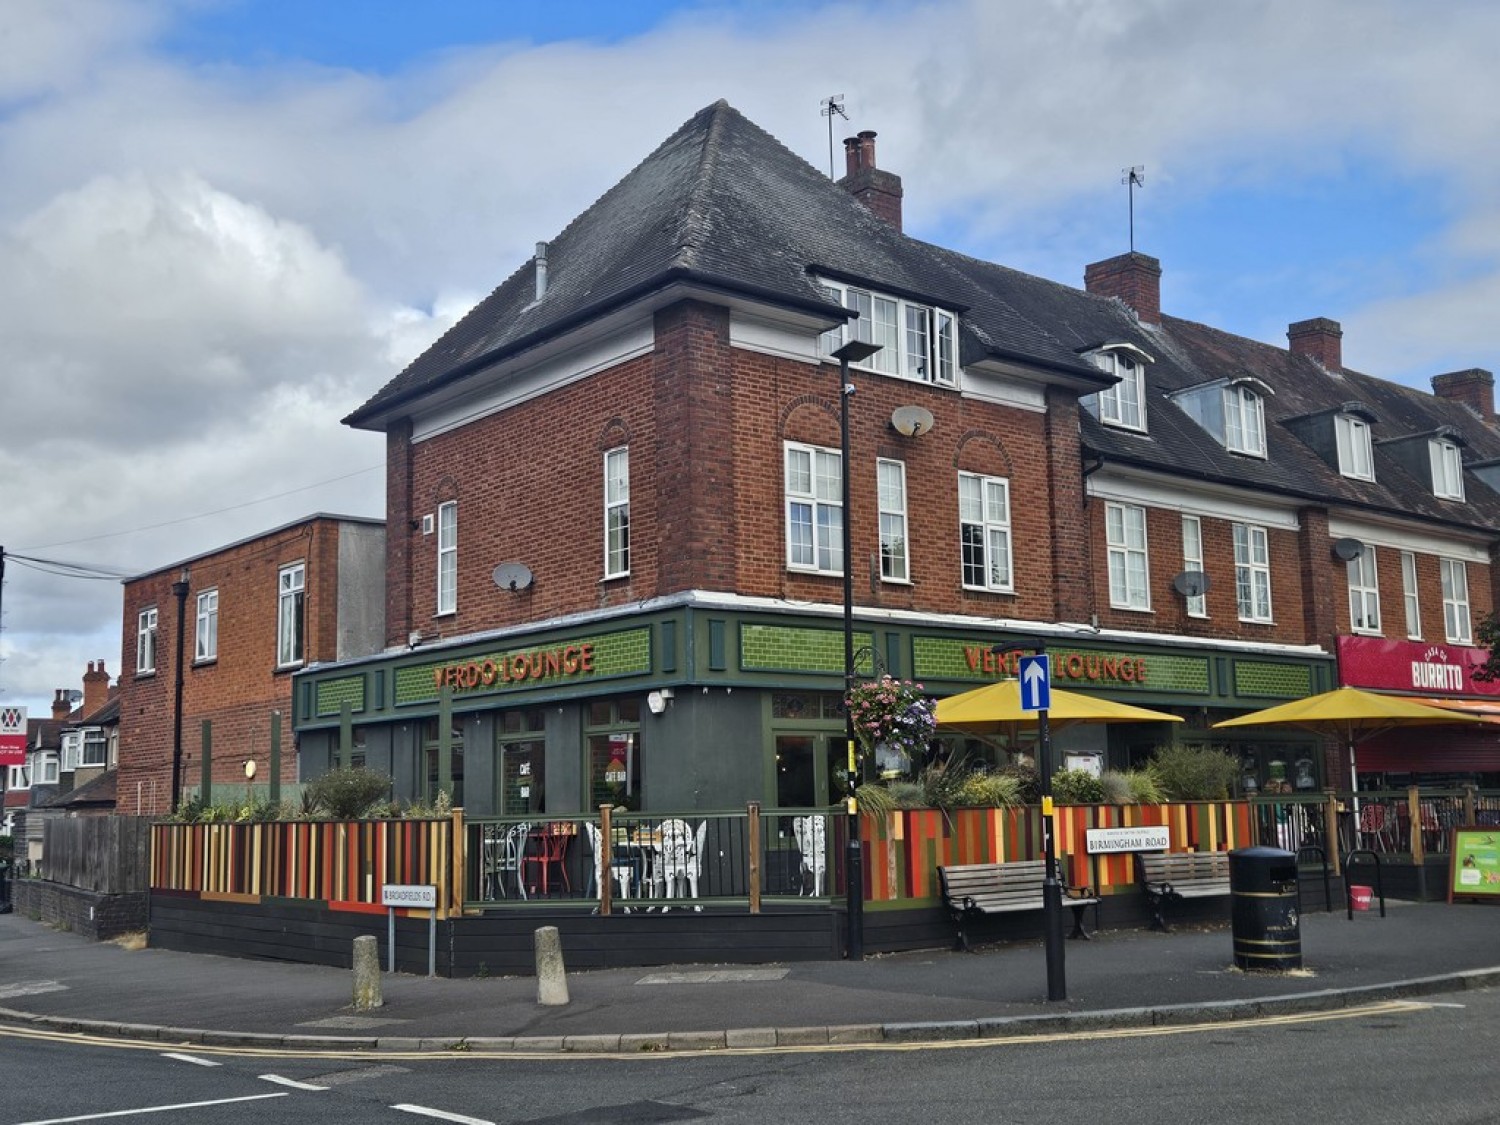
{"points": [[1447, 470], [1231, 410], [1352, 436], [1123, 404], [918, 342], [1244, 421]]}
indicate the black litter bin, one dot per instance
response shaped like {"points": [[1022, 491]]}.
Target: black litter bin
{"points": [[1263, 892], [4, 887]]}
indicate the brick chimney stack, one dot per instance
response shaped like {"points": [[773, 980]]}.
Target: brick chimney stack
{"points": [[1320, 339], [879, 191], [1475, 388], [1133, 278], [61, 708], [95, 688]]}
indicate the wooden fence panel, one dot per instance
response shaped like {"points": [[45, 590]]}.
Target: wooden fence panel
{"points": [[102, 854]]}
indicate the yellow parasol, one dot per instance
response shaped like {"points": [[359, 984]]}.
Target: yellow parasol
{"points": [[1351, 715], [997, 707]]}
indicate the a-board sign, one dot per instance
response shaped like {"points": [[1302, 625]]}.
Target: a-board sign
{"points": [[1475, 863], [1144, 838], [413, 895]]}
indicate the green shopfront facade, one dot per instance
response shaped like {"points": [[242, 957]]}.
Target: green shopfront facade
{"points": [[700, 704]]}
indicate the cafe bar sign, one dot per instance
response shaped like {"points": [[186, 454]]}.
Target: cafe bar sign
{"points": [[1412, 666]]}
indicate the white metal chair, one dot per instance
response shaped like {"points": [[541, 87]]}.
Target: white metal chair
{"points": [[622, 872], [810, 833], [502, 858], [680, 860]]}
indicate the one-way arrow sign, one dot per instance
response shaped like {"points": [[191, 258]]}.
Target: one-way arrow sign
{"points": [[1036, 684]]}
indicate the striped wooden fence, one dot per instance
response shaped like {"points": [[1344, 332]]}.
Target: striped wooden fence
{"points": [[342, 864], [905, 848]]}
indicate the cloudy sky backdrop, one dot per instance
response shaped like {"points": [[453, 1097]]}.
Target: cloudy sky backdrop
{"points": [[226, 223]]}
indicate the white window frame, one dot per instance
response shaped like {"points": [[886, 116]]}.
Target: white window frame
{"points": [[48, 768], [1124, 404], [93, 737], [1128, 555], [145, 641], [1352, 437], [1458, 626], [1409, 597], [447, 558], [72, 749], [984, 533], [206, 626], [18, 777], [814, 502], [1447, 470], [291, 615], [917, 342], [617, 512], [1364, 593], [1252, 573], [1192, 559], [1244, 421], [895, 544]]}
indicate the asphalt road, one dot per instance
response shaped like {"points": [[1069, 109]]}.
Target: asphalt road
{"points": [[1410, 1061]]}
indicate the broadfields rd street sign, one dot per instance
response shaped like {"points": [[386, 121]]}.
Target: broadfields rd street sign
{"points": [[12, 736]]}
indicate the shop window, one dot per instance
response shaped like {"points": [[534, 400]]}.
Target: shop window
{"points": [[522, 745], [436, 783], [613, 743]]}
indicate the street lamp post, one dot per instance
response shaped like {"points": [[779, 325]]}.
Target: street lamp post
{"points": [[180, 592], [852, 352], [1052, 916]]}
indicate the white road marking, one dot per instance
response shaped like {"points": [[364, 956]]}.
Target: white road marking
{"points": [[423, 1111], [30, 988], [194, 1059], [150, 1109], [290, 1082]]}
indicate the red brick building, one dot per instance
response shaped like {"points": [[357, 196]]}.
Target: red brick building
{"points": [[614, 562], [248, 616]]}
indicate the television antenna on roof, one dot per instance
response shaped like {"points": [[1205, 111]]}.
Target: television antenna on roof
{"points": [[1134, 178], [833, 106]]}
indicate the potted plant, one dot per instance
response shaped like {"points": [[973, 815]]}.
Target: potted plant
{"points": [[893, 721]]}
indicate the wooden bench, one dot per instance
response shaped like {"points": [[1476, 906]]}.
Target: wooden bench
{"points": [[971, 890], [1180, 875]]}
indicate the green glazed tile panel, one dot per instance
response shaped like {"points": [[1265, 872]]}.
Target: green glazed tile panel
{"points": [[779, 648], [333, 694], [614, 654], [1272, 681]]}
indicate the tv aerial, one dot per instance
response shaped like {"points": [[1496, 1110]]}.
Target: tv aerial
{"points": [[1133, 178], [833, 106]]}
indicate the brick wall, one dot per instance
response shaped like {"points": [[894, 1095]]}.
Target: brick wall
{"points": [[239, 689], [95, 916]]}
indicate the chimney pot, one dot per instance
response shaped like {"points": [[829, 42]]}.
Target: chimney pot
{"points": [[879, 191], [1133, 278], [1319, 339]]}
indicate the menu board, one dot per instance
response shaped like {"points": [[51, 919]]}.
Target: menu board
{"points": [[1475, 864]]}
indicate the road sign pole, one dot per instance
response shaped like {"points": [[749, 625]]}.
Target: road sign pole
{"points": [[1036, 695]]}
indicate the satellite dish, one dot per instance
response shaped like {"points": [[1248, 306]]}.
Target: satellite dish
{"points": [[1347, 550], [512, 576], [1191, 583], [911, 420]]}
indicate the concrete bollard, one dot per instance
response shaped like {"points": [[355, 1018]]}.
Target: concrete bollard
{"points": [[367, 973], [551, 977]]}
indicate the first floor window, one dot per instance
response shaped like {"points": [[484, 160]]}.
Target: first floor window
{"points": [[1125, 538], [291, 585], [617, 513], [48, 771], [1252, 572], [145, 641], [447, 557], [1364, 593], [984, 532], [207, 644], [1192, 561], [814, 509], [891, 487], [18, 777], [1409, 595], [1456, 622], [95, 747]]}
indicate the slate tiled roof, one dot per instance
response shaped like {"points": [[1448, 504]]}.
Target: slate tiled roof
{"points": [[721, 203]]}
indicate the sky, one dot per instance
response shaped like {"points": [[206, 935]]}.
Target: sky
{"points": [[226, 223]]}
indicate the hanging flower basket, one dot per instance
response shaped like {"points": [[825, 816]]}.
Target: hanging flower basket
{"points": [[892, 720]]}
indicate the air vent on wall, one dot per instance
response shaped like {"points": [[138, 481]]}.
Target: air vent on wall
{"points": [[427, 524]]}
